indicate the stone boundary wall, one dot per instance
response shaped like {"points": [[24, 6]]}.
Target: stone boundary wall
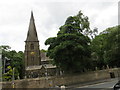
{"points": [[61, 80]]}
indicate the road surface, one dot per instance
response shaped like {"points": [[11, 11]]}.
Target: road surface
{"points": [[108, 85]]}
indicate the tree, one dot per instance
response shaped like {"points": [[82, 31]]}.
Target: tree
{"points": [[106, 47], [70, 50], [42, 50], [98, 49], [8, 75], [76, 24], [112, 55], [15, 60], [93, 33]]}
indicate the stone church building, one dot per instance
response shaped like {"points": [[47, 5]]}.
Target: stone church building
{"points": [[36, 62]]}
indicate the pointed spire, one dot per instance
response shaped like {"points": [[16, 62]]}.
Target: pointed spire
{"points": [[32, 33], [32, 17]]}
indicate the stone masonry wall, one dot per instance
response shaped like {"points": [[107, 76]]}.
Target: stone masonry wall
{"points": [[59, 80]]}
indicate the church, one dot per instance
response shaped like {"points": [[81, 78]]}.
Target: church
{"points": [[36, 62]]}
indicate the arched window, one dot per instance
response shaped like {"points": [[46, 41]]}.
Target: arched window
{"points": [[31, 46]]}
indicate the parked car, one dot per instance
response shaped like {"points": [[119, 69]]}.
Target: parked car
{"points": [[117, 86]]}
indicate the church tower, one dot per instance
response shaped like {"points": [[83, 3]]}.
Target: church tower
{"points": [[32, 51]]}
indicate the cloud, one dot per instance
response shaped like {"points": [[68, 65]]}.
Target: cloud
{"points": [[49, 16]]}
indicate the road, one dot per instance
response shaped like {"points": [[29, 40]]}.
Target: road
{"points": [[96, 85], [108, 85]]}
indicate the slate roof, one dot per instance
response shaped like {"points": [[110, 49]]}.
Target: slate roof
{"points": [[48, 66], [34, 67]]}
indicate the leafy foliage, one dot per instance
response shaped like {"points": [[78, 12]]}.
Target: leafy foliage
{"points": [[8, 76], [76, 24], [16, 61], [70, 49], [112, 56], [106, 47], [42, 50], [98, 49]]}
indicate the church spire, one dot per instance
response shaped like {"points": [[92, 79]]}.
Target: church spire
{"points": [[32, 50], [32, 33], [32, 17]]}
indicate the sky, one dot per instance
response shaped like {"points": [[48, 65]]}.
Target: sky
{"points": [[49, 15]]}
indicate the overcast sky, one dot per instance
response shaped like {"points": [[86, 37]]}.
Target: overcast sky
{"points": [[49, 16]]}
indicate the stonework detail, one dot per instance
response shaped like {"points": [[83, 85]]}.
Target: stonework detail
{"points": [[32, 51], [37, 64]]}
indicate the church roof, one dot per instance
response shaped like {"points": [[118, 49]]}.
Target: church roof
{"points": [[32, 33], [34, 67], [48, 66]]}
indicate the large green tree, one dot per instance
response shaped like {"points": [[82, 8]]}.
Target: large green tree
{"points": [[70, 50], [98, 49], [106, 47], [112, 55]]}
